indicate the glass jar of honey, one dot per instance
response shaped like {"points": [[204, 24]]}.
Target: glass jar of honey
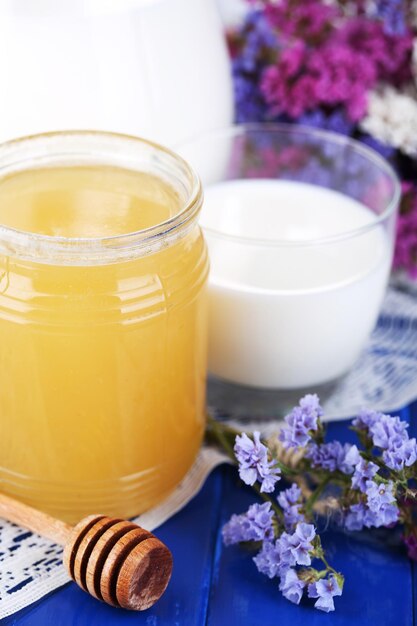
{"points": [[103, 322]]}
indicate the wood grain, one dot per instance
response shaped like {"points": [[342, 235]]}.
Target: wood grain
{"points": [[37, 521]]}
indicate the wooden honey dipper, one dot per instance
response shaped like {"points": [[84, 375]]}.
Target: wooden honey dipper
{"points": [[114, 560]]}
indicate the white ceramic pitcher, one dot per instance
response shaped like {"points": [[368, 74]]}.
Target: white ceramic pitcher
{"points": [[156, 68]]}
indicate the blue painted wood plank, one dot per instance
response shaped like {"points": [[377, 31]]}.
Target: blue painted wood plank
{"points": [[412, 410], [378, 586], [191, 536]]}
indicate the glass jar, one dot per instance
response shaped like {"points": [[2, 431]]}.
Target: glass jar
{"points": [[102, 341]]}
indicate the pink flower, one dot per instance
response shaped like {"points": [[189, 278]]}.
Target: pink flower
{"points": [[410, 542], [390, 54], [405, 256], [327, 60], [343, 77], [330, 75], [309, 20]]}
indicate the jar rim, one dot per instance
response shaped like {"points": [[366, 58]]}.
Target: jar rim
{"points": [[83, 144], [283, 128]]}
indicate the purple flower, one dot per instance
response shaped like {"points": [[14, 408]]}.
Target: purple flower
{"points": [[335, 121], [364, 471], [355, 517], [301, 421], [385, 429], [287, 499], [352, 457], [268, 560], [366, 419], [383, 510], [379, 494], [325, 590], [250, 105], [252, 456], [386, 515], [295, 549], [289, 496], [384, 150], [255, 37], [254, 525], [291, 586], [400, 453], [393, 14], [380, 510], [332, 456]]}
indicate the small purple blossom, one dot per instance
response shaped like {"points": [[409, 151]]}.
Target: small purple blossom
{"points": [[332, 456], [366, 419], [400, 453], [393, 14], [268, 560], [325, 590], [295, 549], [380, 508], [383, 510], [301, 422], [287, 499], [364, 471], [360, 516], [252, 456], [379, 494], [385, 429], [291, 586], [352, 457], [387, 515], [335, 121], [384, 150], [355, 516], [254, 525], [289, 496]]}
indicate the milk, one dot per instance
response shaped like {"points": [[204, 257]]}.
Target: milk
{"points": [[290, 307]]}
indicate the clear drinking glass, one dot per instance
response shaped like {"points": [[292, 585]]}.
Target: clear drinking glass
{"points": [[102, 338], [300, 228]]}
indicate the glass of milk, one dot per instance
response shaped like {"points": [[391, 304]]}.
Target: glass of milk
{"points": [[300, 227]]}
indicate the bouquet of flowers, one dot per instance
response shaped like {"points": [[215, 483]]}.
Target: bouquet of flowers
{"points": [[346, 65], [368, 485]]}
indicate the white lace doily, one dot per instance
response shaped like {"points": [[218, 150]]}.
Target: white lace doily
{"points": [[385, 378]]}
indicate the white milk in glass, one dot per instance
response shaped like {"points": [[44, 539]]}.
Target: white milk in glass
{"points": [[288, 307]]}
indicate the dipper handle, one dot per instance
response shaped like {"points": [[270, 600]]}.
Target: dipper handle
{"points": [[34, 520]]}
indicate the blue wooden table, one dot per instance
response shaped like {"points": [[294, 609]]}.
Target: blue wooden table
{"points": [[217, 586]]}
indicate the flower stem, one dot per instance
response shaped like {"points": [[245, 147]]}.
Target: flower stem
{"points": [[311, 501], [220, 433]]}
